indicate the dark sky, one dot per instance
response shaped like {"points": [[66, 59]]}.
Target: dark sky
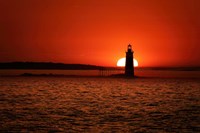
{"points": [[162, 32]]}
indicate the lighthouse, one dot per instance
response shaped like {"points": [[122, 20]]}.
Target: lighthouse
{"points": [[129, 65]]}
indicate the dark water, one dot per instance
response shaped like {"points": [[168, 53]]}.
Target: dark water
{"points": [[139, 72], [50, 104]]}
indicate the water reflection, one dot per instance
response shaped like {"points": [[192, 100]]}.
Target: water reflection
{"points": [[99, 105]]}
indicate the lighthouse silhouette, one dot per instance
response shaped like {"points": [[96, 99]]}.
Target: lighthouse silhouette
{"points": [[129, 67]]}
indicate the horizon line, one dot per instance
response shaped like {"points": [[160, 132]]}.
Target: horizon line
{"points": [[100, 65]]}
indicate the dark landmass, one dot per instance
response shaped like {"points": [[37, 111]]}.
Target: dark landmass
{"points": [[62, 66], [47, 65]]}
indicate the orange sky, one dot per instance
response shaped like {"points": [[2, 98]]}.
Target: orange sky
{"points": [[162, 32]]}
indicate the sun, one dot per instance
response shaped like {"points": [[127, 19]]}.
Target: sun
{"points": [[121, 62]]}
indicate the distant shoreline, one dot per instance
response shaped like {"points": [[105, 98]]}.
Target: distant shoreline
{"points": [[62, 66], [47, 66]]}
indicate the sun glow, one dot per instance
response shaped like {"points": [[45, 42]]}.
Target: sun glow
{"points": [[121, 62]]}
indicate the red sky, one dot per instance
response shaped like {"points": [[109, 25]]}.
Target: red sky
{"points": [[162, 32]]}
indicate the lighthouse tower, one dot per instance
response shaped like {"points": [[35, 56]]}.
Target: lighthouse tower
{"points": [[129, 68]]}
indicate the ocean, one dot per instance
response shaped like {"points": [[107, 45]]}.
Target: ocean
{"points": [[99, 104], [138, 72]]}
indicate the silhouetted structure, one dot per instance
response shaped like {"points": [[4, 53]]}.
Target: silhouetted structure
{"points": [[129, 68]]}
